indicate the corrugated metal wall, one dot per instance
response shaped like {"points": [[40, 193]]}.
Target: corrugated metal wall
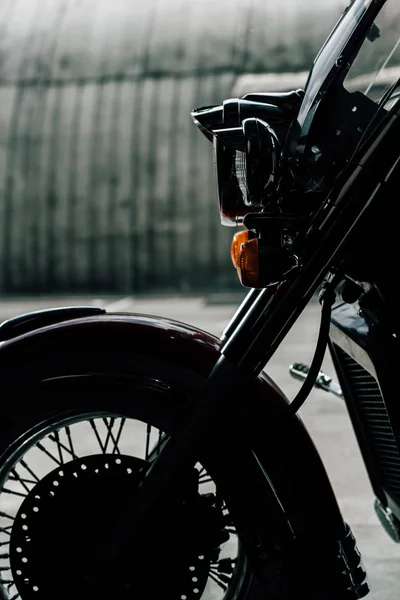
{"points": [[105, 183]]}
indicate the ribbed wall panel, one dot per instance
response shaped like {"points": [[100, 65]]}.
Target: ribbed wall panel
{"points": [[105, 183]]}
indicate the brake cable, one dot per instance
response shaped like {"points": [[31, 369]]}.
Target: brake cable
{"points": [[327, 298]]}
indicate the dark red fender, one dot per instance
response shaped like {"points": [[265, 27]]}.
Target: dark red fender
{"points": [[281, 443]]}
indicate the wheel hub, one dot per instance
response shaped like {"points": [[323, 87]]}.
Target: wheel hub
{"points": [[70, 512]]}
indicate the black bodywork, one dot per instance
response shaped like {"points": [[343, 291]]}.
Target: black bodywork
{"points": [[366, 355], [364, 343]]}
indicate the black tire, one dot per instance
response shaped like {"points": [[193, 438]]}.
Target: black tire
{"points": [[43, 399]]}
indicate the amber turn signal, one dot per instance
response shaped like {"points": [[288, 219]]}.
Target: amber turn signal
{"points": [[238, 239], [247, 265]]}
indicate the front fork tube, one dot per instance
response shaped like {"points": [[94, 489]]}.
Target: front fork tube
{"points": [[240, 314]]}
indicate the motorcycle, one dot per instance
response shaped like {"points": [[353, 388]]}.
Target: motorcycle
{"points": [[141, 457]]}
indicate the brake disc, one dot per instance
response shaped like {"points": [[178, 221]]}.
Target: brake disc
{"points": [[69, 512]]}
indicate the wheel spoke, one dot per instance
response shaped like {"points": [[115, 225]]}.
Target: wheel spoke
{"points": [[160, 438], [6, 530], [63, 446], [148, 434], [119, 433], [71, 445], [15, 476], [215, 576], [6, 515], [49, 454], [56, 438], [7, 491], [205, 479], [109, 423], [223, 569], [204, 476], [93, 425], [155, 451], [25, 465]]}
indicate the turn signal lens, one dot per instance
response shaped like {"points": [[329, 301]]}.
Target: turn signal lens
{"points": [[238, 239], [247, 264]]}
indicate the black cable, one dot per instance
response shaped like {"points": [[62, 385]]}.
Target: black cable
{"points": [[327, 298]]}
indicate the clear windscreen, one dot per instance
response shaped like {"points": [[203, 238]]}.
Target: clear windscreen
{"points": [[377, 66], [331, 52], [357, 68]]}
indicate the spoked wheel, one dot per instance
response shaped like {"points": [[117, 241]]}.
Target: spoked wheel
{"points": [[67, 473]]}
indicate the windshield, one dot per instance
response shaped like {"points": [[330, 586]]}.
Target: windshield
{"points": [[331, 52], [377, 65], [350, 76]]}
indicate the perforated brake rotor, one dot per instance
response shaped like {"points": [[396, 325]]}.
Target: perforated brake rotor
{"points": [[70, 511]]}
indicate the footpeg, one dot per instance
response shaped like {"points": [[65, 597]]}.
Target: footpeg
{"points": [[323, 381]]}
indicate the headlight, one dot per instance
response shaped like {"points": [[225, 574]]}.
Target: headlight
{"points": [[247, 151], [247, 160], [231, 188]]}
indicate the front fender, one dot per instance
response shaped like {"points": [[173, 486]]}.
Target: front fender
{"points": [[145, 334], [280, 442]]}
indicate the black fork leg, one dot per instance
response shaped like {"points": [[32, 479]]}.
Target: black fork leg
{"points": [[179, 453], [240, 314]]}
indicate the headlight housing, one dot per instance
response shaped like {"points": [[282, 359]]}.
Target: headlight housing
{"points": [[247, 134]]}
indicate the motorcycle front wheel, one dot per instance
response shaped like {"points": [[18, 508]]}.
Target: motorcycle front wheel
{"points": [[70, 456]]}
